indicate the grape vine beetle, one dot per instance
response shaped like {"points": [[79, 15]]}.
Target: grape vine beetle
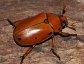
{"points": [[37, 29]]}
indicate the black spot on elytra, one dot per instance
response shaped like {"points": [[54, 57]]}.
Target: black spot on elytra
{"points": [[59, 29], [19, 38], [46, 21], [35, 38]]}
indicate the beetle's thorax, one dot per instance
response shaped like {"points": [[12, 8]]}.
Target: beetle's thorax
{"points": [[55, 22]]}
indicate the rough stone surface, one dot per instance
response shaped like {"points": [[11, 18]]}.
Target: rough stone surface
{"points": [[70, 49]]}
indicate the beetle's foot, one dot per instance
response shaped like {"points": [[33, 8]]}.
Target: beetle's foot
{"points": [[73, 34], [60, 62], [22, 58], [55, 54]]}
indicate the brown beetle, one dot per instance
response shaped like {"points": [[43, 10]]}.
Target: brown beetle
{"points": [[37, 29]]}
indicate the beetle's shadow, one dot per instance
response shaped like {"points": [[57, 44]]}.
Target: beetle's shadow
{"points": [[79, 37], [37, 49]]}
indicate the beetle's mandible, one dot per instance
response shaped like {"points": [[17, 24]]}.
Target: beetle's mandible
{"points": [[37, 29]]}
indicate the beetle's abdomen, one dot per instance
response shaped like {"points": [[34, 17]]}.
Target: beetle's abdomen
{"points": [[34, 34]]}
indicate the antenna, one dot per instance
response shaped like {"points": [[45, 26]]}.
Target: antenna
{"points": [[63, 5]]}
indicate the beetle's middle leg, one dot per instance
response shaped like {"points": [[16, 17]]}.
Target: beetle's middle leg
{"points": [[52, 49], [26, 53]]}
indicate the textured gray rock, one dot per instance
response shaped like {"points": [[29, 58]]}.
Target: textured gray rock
{"points": [[70, 49]]}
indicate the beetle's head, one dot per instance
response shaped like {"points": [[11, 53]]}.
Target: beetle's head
{"points": [[63, 21], [63, 18]]}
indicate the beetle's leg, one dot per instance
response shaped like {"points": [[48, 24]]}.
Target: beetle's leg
{"points": [[26, 53], [66, 34], [52, 49], [11, 23], [71, 28]]}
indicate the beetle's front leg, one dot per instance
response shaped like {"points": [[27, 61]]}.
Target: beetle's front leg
{"points": [[66, 34], [52, 48]]}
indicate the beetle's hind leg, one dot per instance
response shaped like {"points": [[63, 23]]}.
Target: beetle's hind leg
{"points": [[55, 53], [11, 23], [26, 53], [52, 49]]}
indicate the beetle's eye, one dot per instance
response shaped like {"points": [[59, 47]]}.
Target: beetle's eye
{"points": [[63, 24]]}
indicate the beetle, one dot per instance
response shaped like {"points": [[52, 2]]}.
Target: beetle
{"points": [[37, 29]]}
